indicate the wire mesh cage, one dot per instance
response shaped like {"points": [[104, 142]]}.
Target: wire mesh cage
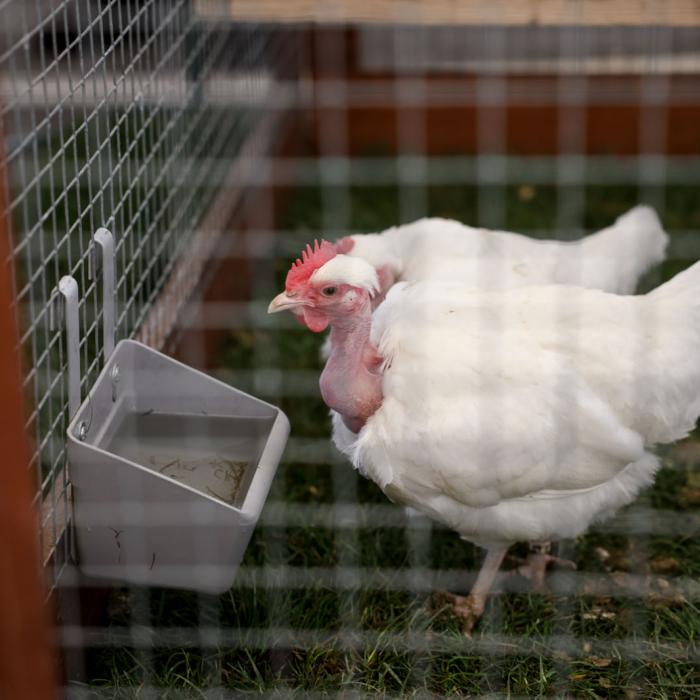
{"points": [[214, 140], [124, 116]]}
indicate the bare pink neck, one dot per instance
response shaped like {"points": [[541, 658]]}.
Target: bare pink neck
{"points": [[351, 382]]}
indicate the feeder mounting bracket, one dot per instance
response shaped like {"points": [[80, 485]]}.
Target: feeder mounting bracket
{"points": [[68, 314], [105, 240]]}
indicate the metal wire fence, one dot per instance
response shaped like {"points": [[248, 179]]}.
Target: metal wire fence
{"points": [[116, 114], [132, 116]]}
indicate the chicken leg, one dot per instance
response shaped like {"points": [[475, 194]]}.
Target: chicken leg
{"points": [[470, 608]]}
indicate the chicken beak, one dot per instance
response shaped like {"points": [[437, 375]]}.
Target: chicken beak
{"points": [[283, 302]]}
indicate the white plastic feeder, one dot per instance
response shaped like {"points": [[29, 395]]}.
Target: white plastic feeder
{"points": [[170, 471]]}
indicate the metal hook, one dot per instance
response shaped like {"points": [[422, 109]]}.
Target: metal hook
{"points": [[68, 288], [105, 240]]}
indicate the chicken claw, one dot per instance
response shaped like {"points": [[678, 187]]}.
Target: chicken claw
{"points": [[469, 608], [535, 566]]}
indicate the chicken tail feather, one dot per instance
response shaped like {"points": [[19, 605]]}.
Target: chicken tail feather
{"points": [[636, 242]]}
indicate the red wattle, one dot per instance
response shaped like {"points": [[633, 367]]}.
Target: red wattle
{"points": [[315, 320]]}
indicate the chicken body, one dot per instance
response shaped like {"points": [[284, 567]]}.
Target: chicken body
{"points": [[445, 250], [528, 414], [518, 415]]}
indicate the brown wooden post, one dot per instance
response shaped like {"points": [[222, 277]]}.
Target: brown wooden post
{"points": [[27, 666]]}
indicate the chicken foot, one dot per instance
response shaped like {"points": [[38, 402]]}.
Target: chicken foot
{"points": [[470, 608], [535, 565]]}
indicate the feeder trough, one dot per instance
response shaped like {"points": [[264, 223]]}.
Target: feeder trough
{"points": [[170, 470]]}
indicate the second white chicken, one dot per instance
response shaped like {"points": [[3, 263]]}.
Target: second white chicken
{"points": [[612, 259]]}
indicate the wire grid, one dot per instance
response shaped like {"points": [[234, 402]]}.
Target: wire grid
{"points": [[328, 538], [115, 114], [133, 124]]}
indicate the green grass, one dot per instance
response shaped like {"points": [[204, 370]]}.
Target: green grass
{"points": [[377, 638]]}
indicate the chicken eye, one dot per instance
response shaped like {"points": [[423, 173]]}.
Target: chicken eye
{"points": [[328, 291]]}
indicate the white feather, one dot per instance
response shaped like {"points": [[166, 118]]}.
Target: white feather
{"points": [[343, 269], [440, 249], [527, 414]]}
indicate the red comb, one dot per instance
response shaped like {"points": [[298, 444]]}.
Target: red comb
{"points": [[311, 259]]}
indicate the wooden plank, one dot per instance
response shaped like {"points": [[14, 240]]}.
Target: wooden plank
{"points": [[528, 130], [511, 12], [54, 513]]}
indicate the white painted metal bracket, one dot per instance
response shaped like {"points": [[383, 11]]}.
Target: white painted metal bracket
{"points": [[68, 315], [105, 240]]}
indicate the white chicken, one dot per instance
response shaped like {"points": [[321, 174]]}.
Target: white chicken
{"points": [[442, 249], [516, 415]]}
